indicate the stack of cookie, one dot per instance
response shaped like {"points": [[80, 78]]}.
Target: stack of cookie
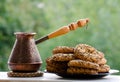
{"points": [[83, 59], [88, 60], [57, 63]]}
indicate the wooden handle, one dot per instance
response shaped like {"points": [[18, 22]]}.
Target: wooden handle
{"points": [[70, 27], [64, 30]]}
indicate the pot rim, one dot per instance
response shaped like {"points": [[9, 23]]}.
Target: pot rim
{"points": [[26, 63], [24, 33]]}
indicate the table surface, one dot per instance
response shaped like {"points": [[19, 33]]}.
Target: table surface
{"points": [[49, 77]]}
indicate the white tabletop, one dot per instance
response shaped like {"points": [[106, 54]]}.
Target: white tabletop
{"points": [[49, 77]]}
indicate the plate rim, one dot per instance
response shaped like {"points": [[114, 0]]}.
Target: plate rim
{"points": [[88, 76]]}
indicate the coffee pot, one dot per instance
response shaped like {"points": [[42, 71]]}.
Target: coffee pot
{"points": [[25, 56]]}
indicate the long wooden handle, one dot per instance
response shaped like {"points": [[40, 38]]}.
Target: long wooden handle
{"points": [[64, 30], [71, 27]]}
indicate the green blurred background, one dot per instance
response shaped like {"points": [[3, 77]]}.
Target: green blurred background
{"points": [[45, 16]]}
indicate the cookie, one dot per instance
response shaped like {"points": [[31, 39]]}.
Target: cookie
{"points": [[63, 49], [76, 70], [101, 54], [87, 53], [51, 62], [83, 64], [62, 57], [55, 70], [102, 61], [103, 68], [84, 48], [88, 57]]}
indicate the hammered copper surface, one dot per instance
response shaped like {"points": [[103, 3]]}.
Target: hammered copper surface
{"points": [[24, 55]]}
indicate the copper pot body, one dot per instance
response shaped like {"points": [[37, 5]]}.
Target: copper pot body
{"points": [[24, 56]]}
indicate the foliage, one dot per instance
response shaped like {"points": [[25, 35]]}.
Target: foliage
{"points": [[24, 15]]}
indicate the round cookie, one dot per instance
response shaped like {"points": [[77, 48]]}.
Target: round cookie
{"points": [[56, 64], [55, 70], [88, 57], [103, 68], [63, 49], [75, 70], [87, 53], [83, 64], [84, 48], [102, 61], [101, 54], [62, 57]]}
